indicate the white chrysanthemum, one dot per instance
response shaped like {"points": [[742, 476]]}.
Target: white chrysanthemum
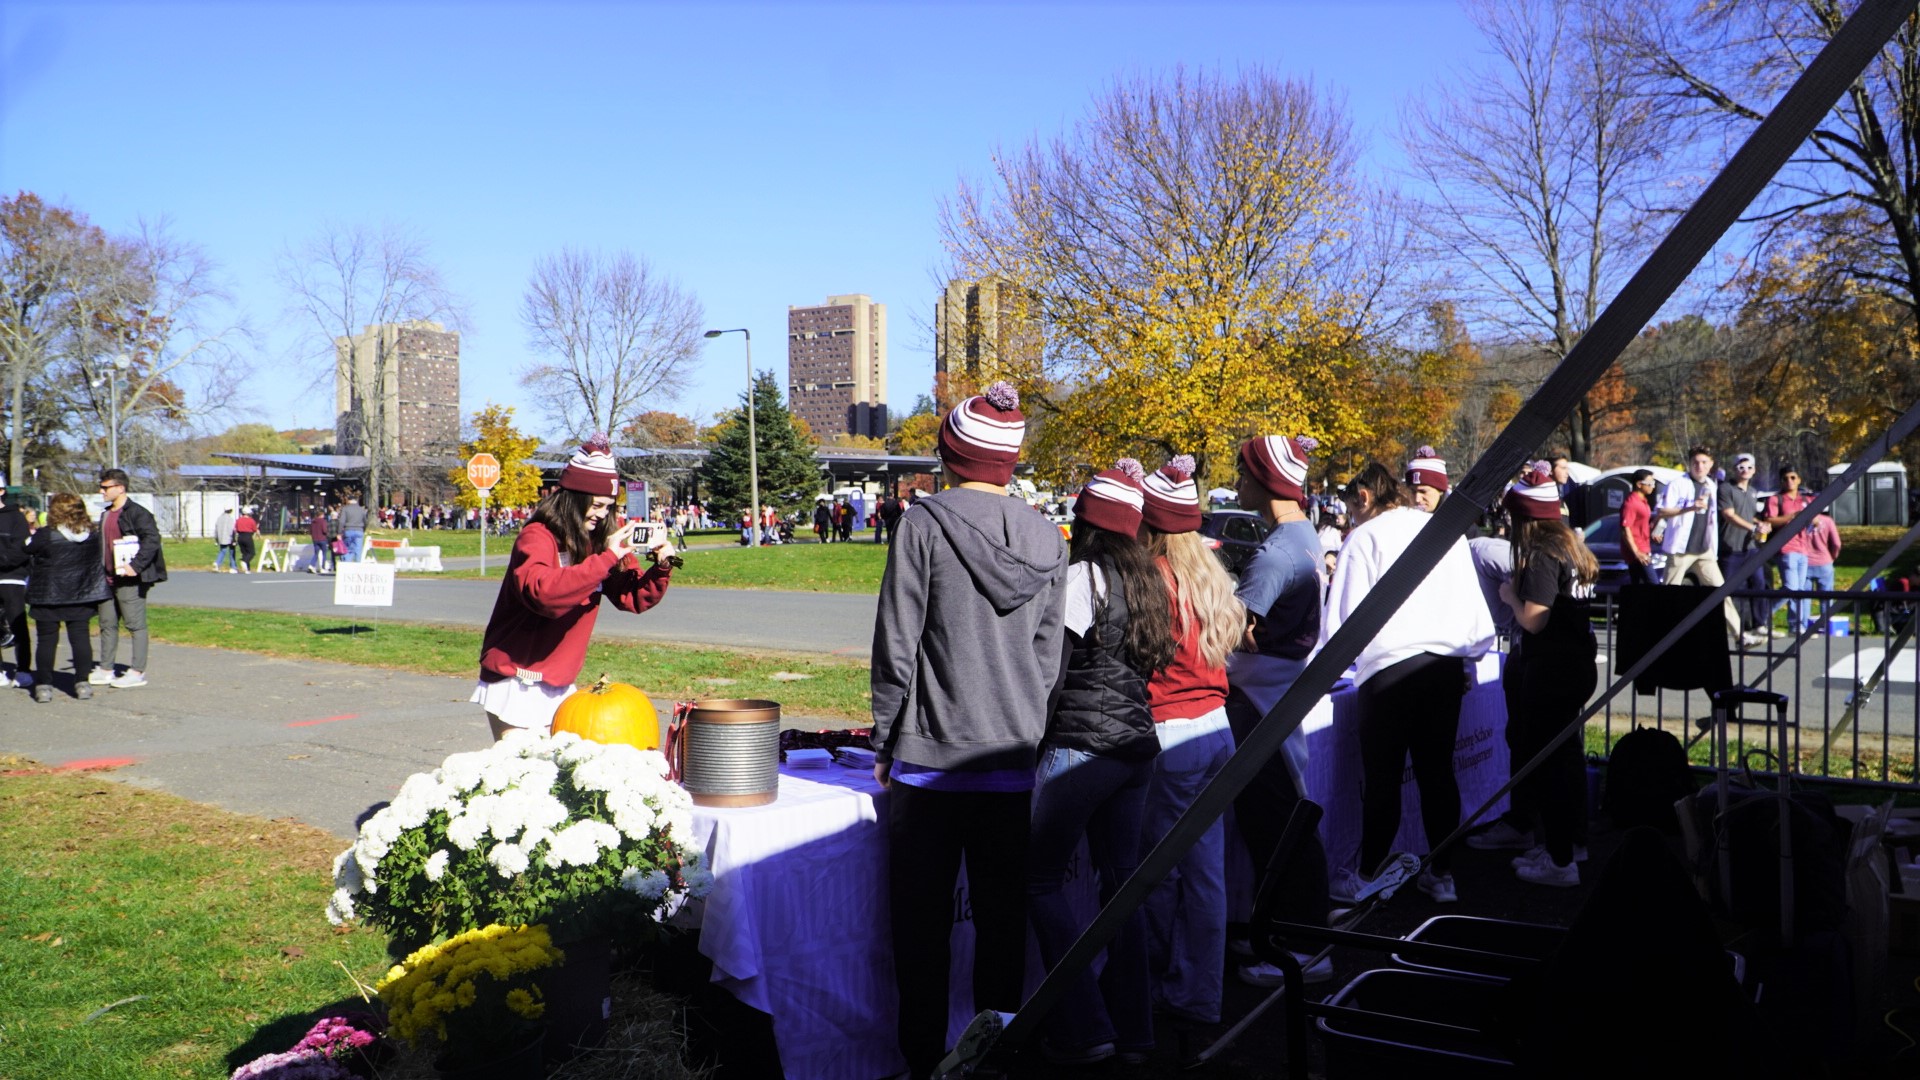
{"points": [[340, 908], [347, 872], [650, 884], [677, 821], [653, 764], [602, 773], [635, 819], [509, 859], [437, 864], [570, 750], [462, 771], [466, 831], [581, 843], [419, 797]]}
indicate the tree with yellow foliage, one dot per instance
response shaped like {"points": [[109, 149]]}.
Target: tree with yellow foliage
{"points": [[1187, 251], [494, 433]]}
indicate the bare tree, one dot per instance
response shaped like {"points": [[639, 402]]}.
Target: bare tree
{"points": [[1534, 170], [622, 337], [348, 278]]}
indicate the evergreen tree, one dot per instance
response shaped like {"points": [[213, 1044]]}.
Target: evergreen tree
{"points": [[789, 476]]}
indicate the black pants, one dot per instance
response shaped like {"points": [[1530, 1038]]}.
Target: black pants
{"points": [[245, 540], [1639, 574], [13, 616], [79, 639], [927, 833], [1409, 711], [1747, 572], [1261, 811], [1545, 692]]}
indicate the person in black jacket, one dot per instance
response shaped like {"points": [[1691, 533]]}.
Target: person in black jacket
{"points": [[67, 581], [132, 570], [1096, 762], [14, 530]]}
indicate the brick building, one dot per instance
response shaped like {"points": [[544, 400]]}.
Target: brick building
{"points": [[402, 379], [837, 366]]}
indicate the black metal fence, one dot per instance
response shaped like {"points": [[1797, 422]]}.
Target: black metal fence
{"points": [[1850, 678]]}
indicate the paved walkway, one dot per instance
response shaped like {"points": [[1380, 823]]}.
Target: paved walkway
{"points": [[310, 740]]}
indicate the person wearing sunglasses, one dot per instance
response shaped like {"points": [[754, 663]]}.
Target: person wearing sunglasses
{"points": [[1792, 560], [130, 546]]}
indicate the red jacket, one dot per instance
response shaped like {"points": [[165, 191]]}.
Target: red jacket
{"points": [[544, 616]]}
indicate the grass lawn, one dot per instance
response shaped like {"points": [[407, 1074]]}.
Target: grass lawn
{"points": [[835, 691], [147, 936]]}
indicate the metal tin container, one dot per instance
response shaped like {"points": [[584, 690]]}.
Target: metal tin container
{"points": [[730, 752]]}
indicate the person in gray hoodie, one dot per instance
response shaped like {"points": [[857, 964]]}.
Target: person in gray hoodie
{"points": [[966, 650]]}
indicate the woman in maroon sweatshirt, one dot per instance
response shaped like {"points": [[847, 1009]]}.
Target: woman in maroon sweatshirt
{"points": [[567, 558]]}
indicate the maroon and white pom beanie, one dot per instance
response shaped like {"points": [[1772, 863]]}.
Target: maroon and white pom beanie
{"points": [[1279, 464], [1534, 495], [591, 468], [1427, 468], [1173, 499], [1113, 500], [980, 439]]}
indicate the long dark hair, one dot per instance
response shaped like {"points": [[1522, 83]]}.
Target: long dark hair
{"points": [[1149, 639], [1388, 490], [1553, 538], [564, 513]]}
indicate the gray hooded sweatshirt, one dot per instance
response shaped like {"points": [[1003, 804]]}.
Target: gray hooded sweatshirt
{"points": [[966, 645]]}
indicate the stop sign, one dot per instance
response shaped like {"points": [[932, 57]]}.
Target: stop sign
{"points": [[483, 470]]}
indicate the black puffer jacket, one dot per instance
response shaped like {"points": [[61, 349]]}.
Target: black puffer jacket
{"points": [[1102, 704], [66, 572], [13, 542]]}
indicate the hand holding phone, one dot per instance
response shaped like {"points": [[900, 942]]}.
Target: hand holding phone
{"points": [[620, 541]]}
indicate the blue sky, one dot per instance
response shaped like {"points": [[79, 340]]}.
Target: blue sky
{"points": [[764, 155]]}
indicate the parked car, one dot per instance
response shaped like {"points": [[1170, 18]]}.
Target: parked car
{"points": [[1603, 539], [1234, 535]]}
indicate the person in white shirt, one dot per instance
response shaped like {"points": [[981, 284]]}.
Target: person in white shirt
{"points": [[1409, 680], [1690, 508]]}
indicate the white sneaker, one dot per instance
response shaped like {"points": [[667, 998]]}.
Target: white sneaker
{"points": [[1501, 837], [1270, 977], [1438, 887], [130, 680], [1546, 872], [1539, 854], [100, 676]]}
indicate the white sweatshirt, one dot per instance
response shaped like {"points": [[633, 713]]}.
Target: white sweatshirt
{"points": [[1446, 615]]}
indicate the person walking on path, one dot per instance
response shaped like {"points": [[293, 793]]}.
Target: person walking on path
{"points": [[317, 533], [822, 522], [1636, 527], [1187, 912], [1280, 588], [966, 649], [563, 562], [890, 512], [1823, 547], [131, 553], [245, 528], [1550, 673], [1410, 679], [224, 561], [15, 528], [1742, 531], [353, 526], [67, 584]]}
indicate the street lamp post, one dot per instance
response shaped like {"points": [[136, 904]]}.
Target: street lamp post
{"points": [[753, 438], [121, 362]]}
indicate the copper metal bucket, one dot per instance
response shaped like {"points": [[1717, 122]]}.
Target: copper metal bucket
{"points": [[727, 751]]}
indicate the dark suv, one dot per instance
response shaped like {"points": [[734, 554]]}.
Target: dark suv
{"points": [[1234, 535]]}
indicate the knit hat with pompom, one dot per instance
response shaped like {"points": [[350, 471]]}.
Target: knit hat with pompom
{"points": [[1427, 469], [591, 468], [1534, 495], [1173, 499], [1279, 464], [1113, 499], [980, 439]]}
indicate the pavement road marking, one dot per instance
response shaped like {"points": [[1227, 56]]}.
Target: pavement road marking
{"points": [[90, 764], [1865, 663]]}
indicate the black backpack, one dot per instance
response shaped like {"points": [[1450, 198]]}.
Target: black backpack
{"points": [[1646, 774]]}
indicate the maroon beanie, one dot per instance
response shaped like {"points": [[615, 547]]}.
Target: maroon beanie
{"points": [[1279, 464], [1534, 495], [1173, 499], [1427, 468], [591, 468], [980, 439], [1113, 499]]}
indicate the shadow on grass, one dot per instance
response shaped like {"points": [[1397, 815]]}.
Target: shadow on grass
{"points": [[354, 629]]}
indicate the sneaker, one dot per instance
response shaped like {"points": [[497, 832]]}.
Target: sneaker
{"points": [[1270, 977], [1539, 854], [82, 692], [43, 693], [130, 680], [1438, 887], [1501, 837], [100, 676], [1753, 639], [1240, 946], [1345, 887], [1546, 873], [1086, 1055]]}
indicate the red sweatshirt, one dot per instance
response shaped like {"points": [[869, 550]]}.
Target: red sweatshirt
{"points": [[1187, 688], [544, 616]]}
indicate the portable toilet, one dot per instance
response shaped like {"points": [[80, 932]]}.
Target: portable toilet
{"points": [[1878, 498]]}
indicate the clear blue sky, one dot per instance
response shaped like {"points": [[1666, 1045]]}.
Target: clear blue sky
{"points": [[764, 155]]}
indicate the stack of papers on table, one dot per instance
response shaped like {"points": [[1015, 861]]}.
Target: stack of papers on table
{"points": [[858, 757], [809, 759]]}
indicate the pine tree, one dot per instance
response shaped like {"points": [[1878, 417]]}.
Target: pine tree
{"points": [[789, 476]]}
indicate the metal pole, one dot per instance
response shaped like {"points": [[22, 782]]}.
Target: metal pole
{"points": [[113, 405], [753, 445], [483, 528]]}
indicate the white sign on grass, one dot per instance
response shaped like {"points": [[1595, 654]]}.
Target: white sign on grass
{"points": [[363, 584]]}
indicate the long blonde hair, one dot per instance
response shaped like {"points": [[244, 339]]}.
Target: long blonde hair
{"points": [[1203, 591]]}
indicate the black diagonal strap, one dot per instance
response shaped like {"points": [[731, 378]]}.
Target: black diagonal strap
{"points": [[1772, 143]]}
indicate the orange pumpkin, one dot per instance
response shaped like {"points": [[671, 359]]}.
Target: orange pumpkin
{"points": [[610, 712]]}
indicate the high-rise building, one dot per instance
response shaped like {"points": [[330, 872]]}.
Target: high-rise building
{"points": [[402, 381], [980, 328], [837, 366]]}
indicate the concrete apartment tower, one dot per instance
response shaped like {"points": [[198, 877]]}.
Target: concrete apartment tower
{"points": [[399, 384], [981, 329], [837, 366]]}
